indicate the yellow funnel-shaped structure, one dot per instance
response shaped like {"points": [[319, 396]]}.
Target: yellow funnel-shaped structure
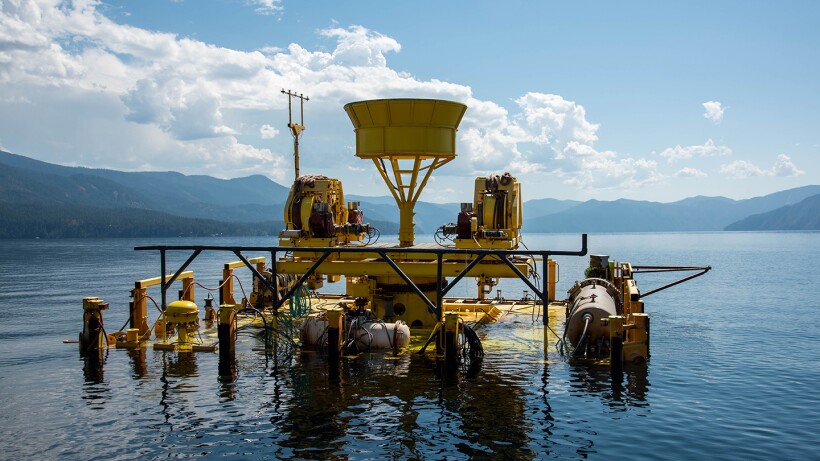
{"points": [[407, 137]]}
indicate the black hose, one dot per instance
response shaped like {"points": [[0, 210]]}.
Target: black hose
{"points": [[587, 319], [476, 349]]}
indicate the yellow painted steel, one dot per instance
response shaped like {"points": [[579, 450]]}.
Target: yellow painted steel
{"points": [[237, 264], [616, 326], [632, 326], [226, 289], [553, 276], [410, 127], [488, 216], [335, 321], [305, 209], [145, 283], [139, 309], [413, 269], [498, 216], [334, 316], [306, 194], [317, 190], [451, 322], [407, 137], [226, 314]]}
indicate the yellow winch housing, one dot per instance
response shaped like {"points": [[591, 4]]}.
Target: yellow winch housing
{"points": [[494, 218], [316, 215]]}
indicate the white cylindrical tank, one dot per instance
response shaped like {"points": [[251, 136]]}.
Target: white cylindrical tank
{"points": [[314, 331], [592, 299], [379, 335], [363, 335]]}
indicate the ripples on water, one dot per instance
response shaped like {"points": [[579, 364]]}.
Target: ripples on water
{"points": [[732, 376]]}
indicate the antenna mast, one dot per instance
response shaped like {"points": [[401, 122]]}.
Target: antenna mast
{"points": [[296, 129]]}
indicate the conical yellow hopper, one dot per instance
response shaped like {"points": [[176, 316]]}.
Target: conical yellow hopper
{"points": [[407, 137]]}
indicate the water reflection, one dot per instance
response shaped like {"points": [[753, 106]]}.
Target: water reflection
{"points": [[312, 424], [375, 406], [96, 391], [618, 390], [492, 410], [93, 367], [174, 407], [179, 364], [139, 367]]}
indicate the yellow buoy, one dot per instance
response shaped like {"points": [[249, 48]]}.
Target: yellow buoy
{"points": [[181, 312]]}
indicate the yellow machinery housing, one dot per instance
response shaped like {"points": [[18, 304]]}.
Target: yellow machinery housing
{"points": [[494, 218], [316, 215]]}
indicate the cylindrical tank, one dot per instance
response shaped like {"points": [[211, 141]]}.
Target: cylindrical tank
{"points": [[380, 335], [367, 335], [592, 299], [314, 331]]}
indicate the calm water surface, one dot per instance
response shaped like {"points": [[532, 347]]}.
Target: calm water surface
{"points": [[734, 371]]}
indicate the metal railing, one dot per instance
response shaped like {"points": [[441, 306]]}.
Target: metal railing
{"points": [[382, 252]]}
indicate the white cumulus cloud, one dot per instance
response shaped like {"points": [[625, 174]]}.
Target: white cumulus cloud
{"points": [[690, 173], [714, 111], [142, 99], [547, 133], [742, 169], [783, 166], [707, 149], [357, 46], [268, 132], [268, 7]]}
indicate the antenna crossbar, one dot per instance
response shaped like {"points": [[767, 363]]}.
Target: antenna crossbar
{"points": [[296, 129]]}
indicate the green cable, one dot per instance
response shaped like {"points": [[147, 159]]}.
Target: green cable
{"points": [[300, 303]]}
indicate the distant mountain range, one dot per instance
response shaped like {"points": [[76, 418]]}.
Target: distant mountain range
{"points": [[691, 214], [39, 199], [804, 215]]}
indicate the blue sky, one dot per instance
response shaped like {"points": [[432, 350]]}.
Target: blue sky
{"points": [[641, 100]]}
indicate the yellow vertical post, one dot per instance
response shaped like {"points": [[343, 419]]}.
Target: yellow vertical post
{"points": [[226, 331], [226, 334], [159, 327], [406, 224], [616, 341], [640, 336], [485, 286], [547, 331], [451, 327], [226, 291], [188, 289], [335, 322], [93, 336], [139, 310], [552, 279]]}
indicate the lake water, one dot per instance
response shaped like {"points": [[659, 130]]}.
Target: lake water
{"points": [[734, 371]]}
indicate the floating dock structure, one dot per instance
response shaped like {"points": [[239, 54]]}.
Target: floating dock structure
{"points": [[391, 290]]}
